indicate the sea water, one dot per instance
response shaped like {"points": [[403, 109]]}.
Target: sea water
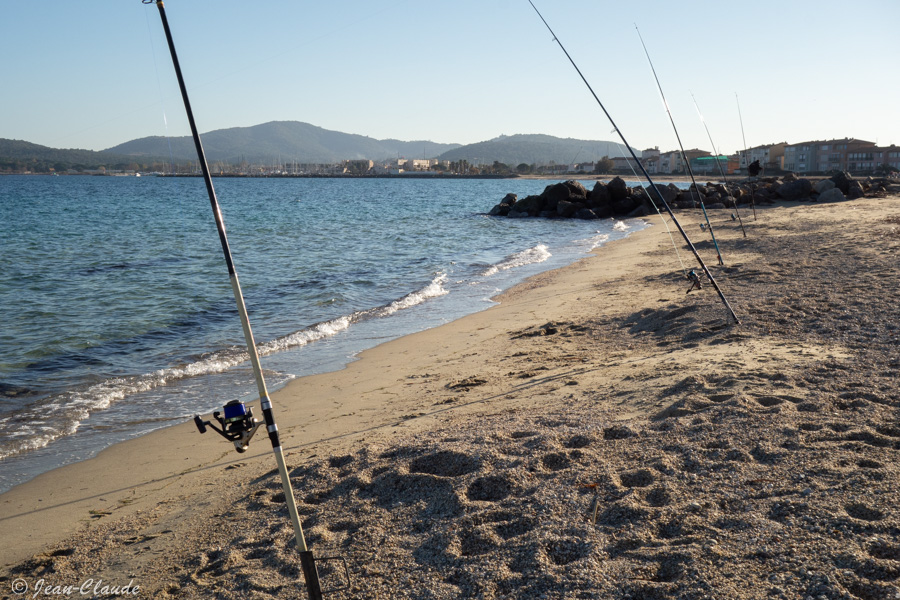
{"points": [[118, 316]]}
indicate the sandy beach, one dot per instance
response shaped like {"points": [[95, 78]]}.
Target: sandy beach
{"points": [[600, 433]]}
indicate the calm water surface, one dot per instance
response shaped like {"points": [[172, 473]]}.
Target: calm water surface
{"points": [[118, 317]]}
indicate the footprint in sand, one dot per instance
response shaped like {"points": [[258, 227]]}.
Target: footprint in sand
{"points": [[556, 461], [490, 488], [863, 512], [445, 463], [639, 478]]}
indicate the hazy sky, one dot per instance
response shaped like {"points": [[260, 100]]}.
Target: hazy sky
{"points": [[95, 74]]}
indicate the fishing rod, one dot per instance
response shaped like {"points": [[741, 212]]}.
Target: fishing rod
{"points": [[746, 157], [641, 166], [687, 163], [718, 164], [238, 425], [661, 218]]}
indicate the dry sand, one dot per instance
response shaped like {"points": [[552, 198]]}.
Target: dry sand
{"points": [[598, 434]]}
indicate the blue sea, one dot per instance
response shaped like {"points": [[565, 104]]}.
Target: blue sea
{"points": [[118, 317]]}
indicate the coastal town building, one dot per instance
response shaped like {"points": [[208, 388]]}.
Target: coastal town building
{"points": [[672, 162], [820, 157], [847, 154], [770, 157], [650, 158], [893, 157], [707, 165], [624, 164], [873, 159]]}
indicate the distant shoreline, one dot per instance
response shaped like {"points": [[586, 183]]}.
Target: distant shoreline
{"points": [[667, 177], [344, 176]]}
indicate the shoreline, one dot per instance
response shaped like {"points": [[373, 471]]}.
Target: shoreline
{"points": [[143, 409], [599, 433], [178, 441]]}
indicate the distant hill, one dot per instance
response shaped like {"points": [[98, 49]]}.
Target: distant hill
{"points": [[292, 141], [284, 141], [18, 155], [535, 149]]}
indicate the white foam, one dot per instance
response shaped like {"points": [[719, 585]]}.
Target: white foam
{"points": [[597, 241], [61, 416], [432, 290], [621, 226], [536, 254], [301, 338]]}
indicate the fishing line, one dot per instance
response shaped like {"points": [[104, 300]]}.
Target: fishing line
{"points": [[137, 109], [161, 98], [681, 230], [746, 157], [718, 164], [684, 157], [661, 217], [238, 424], [273, 58]]}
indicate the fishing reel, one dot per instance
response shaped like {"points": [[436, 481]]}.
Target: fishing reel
{"points": [[237, 426], [694, 278]]}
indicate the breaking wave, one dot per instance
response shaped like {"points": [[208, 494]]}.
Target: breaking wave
{"points": [[536, 254], [62, 414]]}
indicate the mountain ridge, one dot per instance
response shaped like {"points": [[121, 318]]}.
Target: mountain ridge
{"points": [[295, 141], [285, 142]]}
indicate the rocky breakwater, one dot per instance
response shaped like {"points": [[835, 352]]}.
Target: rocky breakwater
{"points": [[570, 199]]}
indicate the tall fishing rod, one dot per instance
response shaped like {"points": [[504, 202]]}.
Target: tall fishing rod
{"points": [[641, 166], [746, 157], [661, 217], [687, 163], [238, 425], [718, 163]]}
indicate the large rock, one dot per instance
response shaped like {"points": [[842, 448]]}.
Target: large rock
{"points": [[576, 190], [566, 209], [618, 189], [714, 198], [842, 181], [624, 206], [585, 213], [640, 196], [855, 190], [599, 196], [531, 205], [502, 209], [554, 194], [670, 194], [795, 190], [832, 195], [823, 185], [692, 197], [570, 191]]}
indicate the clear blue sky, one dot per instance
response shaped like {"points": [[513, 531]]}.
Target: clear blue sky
{"points": [[95, 74]]}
